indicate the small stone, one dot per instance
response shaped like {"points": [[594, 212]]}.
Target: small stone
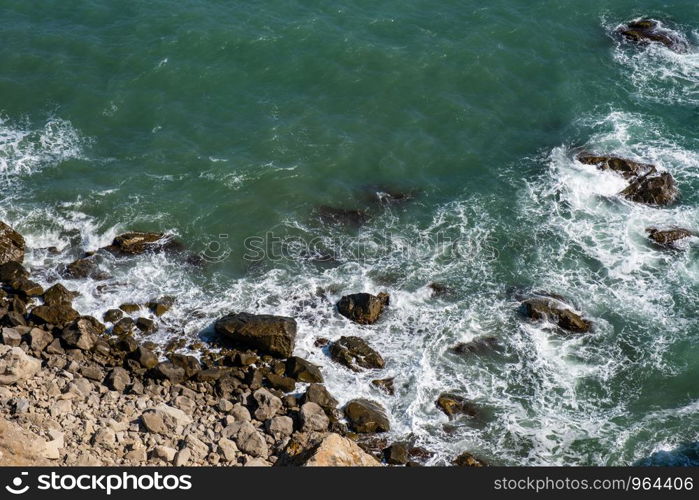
{"points": [[229, 450], [182, 457], [118, 379], [164, 453]]}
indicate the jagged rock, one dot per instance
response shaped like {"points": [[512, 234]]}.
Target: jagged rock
{"points": [[385, 384], [189, 364], [11, 337], [302, 370], [453, 405], [279, 382], [627, 168], [16, 365], [645, 31], [274, 335], [549, 308], [39, 339], [26, 288], [366, 416], [652, 189], [355, 353], [317, 393], [11, 245], [228, 449], [113, 315], [164, 453], [83, 333], [363, 308], [313, 418], [86, 267], [168, 371], [468, 460], [145, 357], [118, 379], [161, 306], [56, 315], [338, 451], [397, 454], [280, 427], [58, 295], [135, 243], [668, 237], [267, 404], [11, 271]]}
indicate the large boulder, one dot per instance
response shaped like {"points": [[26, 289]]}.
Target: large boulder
{"points": [[355, 353], [623, 166], [363, 308], [58, 295], [365, 416], [645, 31], [274, 335], [83, 333], [553, 309], [12, 271], [11, 245], [667, 238], [16, 365], [57, 315], [303, 371], [653, 189], [338, 451], [135, 243]]}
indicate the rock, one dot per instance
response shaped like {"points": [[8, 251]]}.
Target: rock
{"points": [[182, 457], [267, 404], [313, 418], [280, 427], [338, 451], [56, 315], [355, 353], [250, 441], [136, 243], [385, 384], [15, 365], [146, 325], [240, 413], [105, 438], [145, 357], [136, 456], [318, 394], [627, 168], [161, 306], [92, 372], [11, 337], [26, 288], [12, 271], [39, 339], [668, 237], [549, 308], [118, 379], [439, 290], [123, 327], [366, 416], [363, 308], [468, 460], [453, 405], [113, 315], [396, 454], [189, 364], [481, 345], [645, 31], [83, 268], [58, 295], [164, 419], [281, 383], [12, 245], [168, 371], [164, 453], [55, 347], [342, 216], [302, 370], [229, 450], [130, 308], [83, 333], [274, 335], [658, 190]]}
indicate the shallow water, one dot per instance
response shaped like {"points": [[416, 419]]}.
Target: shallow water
{"points": [[222, 121]]}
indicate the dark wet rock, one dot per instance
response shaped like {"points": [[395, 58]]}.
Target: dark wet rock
{"points": [[146, 325], [439, 289], [86, 267], [274, 335], [318, 394], [161, 306], [126, 344], [645, 31], [13, 318], [468, 460], [11, 271], [657, 190], [113, 315], [118, 379], [302, 370], [478, 346], [123, 327], [189, 364], [355, 353], [342, 216], [58, 295], [168, 371], [136, 243], [396, 454], [363, 308], [83, 333], [12, 245], [321, 342], [388, 196], [627, 168], [281, 383], [130, 308], [549, 308], [365, 416], [668, 237], [454, 405], [56, 315], [385, 384], [26, 288], [145, 357]]}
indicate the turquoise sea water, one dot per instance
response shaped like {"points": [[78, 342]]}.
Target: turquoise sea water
{"points": [[224, 120]]}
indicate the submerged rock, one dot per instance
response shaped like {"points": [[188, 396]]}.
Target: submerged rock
{"points": [[645, 31], [625, 167], [355, 353], [342, 216], [478, 346], [454, 405], [136, 243], [12, 245], [365, 416], [668, 237], [549, 308], [652, 189], [363, 308], [385, 384], [274, 335]]}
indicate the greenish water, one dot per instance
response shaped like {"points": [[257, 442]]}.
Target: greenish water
{"points": [[210, 118]]}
